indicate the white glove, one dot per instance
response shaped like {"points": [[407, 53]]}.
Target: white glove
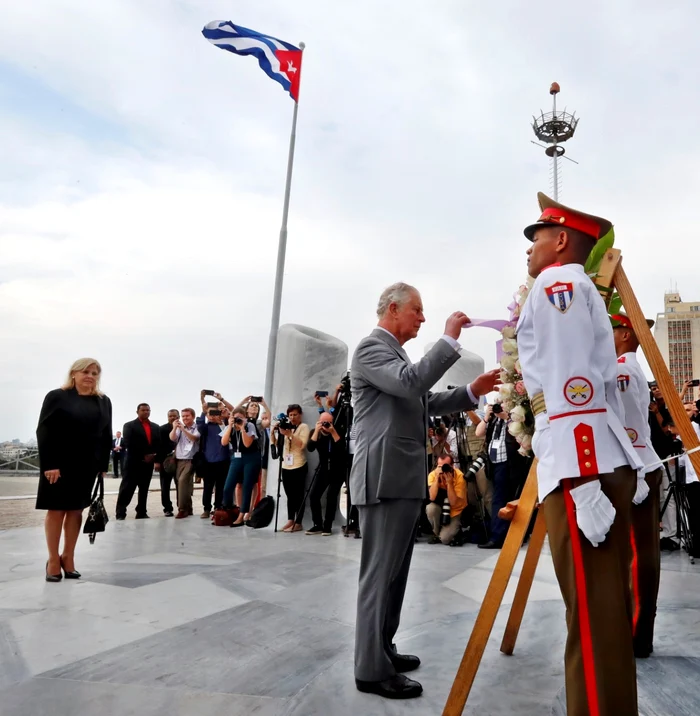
{"points": [[642, 490], [594, 511]]}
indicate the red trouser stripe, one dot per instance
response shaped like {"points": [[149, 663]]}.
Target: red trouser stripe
{"points": [[635, 581], [583, 613]]}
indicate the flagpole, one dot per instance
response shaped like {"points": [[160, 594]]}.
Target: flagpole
{"points": [[281, 254]]}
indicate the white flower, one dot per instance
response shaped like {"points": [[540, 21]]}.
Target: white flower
{"points": [[510, 346], [517, 367], [508, 362], [505, 378], [524, 452], [508, 332], [516, 429], [517, 415], [506, 390], [507, 405], [526, 441]]}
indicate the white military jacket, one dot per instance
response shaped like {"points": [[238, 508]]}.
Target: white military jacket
{"points": [[634, 390], [567, 352]]}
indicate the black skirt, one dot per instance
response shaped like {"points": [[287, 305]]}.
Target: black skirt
{"points": [[72, 491]]}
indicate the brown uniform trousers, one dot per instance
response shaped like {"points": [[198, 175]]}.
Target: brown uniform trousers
{"points": [[601, 676], [646, 565]]}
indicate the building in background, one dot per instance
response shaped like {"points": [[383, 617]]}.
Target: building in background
{"points": [[677, 333]]}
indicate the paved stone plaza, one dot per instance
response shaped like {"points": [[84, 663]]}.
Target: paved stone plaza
{"points": [[183, 618]]}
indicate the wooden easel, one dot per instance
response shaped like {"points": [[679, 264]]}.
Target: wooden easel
{"points": [[520, 511]]}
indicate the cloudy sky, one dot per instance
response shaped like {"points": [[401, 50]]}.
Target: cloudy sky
{"points": [[143, 170]]}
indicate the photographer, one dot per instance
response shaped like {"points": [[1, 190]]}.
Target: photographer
{"points": [[242, 435], [328, 442], [501, 446], [215, 456], [294, 435], [445, 482]]}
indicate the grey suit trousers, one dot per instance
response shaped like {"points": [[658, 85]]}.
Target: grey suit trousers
{"points": [[388, 536]]}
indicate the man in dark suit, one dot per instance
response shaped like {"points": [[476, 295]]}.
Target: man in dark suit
{"points": [[117, 452], [166, 447], [389, 470], [142, 442]]}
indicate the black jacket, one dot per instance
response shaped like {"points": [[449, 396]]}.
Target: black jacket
{"points": [[66, 441], [166, 444], [331, 454], [136, 443]]}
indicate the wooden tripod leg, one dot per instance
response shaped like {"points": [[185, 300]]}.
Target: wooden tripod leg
{"points": [[492, 599], [527, 576]]}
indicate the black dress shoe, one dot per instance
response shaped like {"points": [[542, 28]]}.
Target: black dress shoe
{"points": [[405, 662], [141, 517], [490, 545], [395, 687], [120, 517], [52, 577], [70, 575]]}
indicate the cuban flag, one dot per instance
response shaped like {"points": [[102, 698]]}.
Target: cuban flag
{"points": [[280, 60]]}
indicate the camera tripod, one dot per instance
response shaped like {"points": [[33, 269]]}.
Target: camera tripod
{"points": [[677, 490], [344, 418]]}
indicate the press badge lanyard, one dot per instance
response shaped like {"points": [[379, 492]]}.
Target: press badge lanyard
{"points": [[237, 454], [289, 457]]}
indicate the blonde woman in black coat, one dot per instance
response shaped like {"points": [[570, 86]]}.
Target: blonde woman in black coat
{"points": [[74, 437]]}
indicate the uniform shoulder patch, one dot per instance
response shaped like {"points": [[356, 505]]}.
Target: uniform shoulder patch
{"points": [[623, 382], [578, 391], [560, 295]]}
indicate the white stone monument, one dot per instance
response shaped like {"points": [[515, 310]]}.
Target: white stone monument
{"points": [[307, 360], [469, 366]]}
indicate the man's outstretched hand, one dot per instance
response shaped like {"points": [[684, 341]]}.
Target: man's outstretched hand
{"points": [[455, 323], [486, 382]]}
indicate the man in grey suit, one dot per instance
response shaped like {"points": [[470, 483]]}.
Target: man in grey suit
{"points": [[388, 478]]}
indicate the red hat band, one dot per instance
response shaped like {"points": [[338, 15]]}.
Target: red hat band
{"points": [[622, 320], [571, 221]]}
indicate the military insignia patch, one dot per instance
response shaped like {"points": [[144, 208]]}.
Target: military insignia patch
{"points": [[633, 435], [578, 391], [623, 382], [560, 295]]}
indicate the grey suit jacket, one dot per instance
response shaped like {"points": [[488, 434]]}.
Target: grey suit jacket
{"points": [[392, 401]]}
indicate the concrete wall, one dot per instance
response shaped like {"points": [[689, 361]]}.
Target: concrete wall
{"points": [[307, 360]]}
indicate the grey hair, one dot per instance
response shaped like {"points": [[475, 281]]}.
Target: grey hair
{"points": [[397, 293]]}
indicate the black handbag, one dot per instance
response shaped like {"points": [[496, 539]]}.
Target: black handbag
{"points": [[97, 515]]}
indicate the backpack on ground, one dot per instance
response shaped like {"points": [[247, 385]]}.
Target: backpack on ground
{"points": [[262, 515]]}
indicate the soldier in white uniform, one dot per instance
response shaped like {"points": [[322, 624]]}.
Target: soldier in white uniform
{"points": [[644, 536], [587, 465]]}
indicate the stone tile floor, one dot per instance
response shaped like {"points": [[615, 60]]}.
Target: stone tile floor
{"points": [[183, 618]]}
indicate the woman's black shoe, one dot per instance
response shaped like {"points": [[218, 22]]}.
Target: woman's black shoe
{"points": [[70, 575], [52, 577]]}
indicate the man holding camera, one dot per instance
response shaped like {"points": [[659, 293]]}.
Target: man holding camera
{"points": [[502, 450], [328, 442], [392, 405], [217, 457], [185, 436], [446, 483]]}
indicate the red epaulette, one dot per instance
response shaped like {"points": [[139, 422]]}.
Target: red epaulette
{"points": [[622, 359]]}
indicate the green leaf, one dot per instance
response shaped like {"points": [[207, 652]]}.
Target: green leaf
{"points": [[595, 258], [615, 304]]}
